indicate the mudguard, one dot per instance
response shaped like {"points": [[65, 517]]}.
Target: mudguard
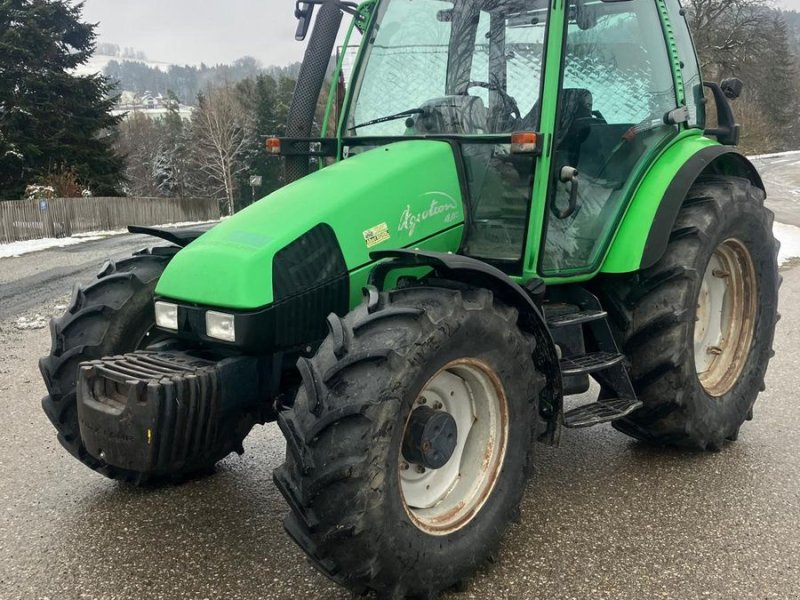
{"points": [[644, 233], [462, 269]]}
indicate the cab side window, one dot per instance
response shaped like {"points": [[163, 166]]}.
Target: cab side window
{"points": [[617, 87]]}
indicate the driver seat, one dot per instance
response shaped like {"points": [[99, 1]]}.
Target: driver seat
{"points": [[574, 122]]}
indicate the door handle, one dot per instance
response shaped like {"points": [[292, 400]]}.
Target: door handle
{"points": [[568, 175]]}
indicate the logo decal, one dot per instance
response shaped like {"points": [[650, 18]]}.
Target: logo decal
{"points": [[441, 204], [376, 235]]}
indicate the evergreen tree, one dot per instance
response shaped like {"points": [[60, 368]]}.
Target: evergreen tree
{"points": [[51, 120], [779, 85], [260, 97]]}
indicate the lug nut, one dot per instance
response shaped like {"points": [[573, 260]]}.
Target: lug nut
{"points": [[404, 466], [421, 400], [420, 469], [438, 406]]}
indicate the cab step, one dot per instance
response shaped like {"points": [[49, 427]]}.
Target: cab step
{"points": [[602, 411], [575, 318], [589, 363]]}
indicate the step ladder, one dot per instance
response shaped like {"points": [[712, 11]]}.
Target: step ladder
{"points": [[602, 360]]}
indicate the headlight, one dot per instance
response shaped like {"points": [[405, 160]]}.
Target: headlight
{"points": [[167, 315], [220, 326]]}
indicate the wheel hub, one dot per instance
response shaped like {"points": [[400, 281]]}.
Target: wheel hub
{"points": [[725, 317], [446, 480], [431, 438]]}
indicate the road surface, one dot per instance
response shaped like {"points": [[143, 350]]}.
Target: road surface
{"points": [[603, 517], [781, 174]]}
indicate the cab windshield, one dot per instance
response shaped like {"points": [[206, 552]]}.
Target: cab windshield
{"points": [[466, 67]]}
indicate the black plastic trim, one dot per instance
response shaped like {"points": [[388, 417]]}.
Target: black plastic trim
{"points": [[288, 324], [671, 203], [179, 237]]}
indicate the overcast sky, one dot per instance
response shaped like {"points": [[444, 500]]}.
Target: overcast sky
{"points": [[192, 31], [210, 31]]}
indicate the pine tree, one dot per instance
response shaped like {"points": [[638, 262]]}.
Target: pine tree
{"points": [[260, 97], [779, 84], [50, 119]]}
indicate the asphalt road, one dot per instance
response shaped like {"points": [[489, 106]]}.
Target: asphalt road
{"points": [[781, 176], [603, 517]]}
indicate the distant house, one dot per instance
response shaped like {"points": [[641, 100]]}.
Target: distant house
{"points": [[154, 106]]}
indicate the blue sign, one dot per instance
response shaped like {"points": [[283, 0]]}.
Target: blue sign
{"points": [[42, 204]]}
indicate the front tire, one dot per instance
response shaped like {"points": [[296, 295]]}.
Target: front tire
{"points": [[111, 316], [698, 326], [366, 515]]}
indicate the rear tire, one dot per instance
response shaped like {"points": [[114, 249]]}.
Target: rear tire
{"points": [[113, 315], [696, 392], [352, 511]]}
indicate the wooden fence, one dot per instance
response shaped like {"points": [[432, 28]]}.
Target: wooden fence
{"points": [[61, 217]]}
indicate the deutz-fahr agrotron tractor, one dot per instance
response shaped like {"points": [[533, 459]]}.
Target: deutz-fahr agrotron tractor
{"points": [[521, 196]]}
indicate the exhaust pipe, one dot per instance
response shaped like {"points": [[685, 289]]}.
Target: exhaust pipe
{"points": [[310, 81]]}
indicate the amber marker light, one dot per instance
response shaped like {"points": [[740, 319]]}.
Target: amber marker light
{"points": [[524, 142], [274, 145]]}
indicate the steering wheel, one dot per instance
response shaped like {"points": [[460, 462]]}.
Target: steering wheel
{"points": [[510, 106]]}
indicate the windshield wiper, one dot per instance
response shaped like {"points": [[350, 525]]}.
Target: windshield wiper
{"points": [[400, 115]]}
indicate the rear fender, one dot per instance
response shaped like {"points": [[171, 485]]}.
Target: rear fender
{"points": [[644, 233], [469, 271]]}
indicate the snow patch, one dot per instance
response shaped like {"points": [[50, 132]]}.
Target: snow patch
{"points": [[774, 155], [18, 248], [15, 249], [37, 321], [789, 237]]}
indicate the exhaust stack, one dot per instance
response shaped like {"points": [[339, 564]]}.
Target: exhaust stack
{"points": [[310, 81]]}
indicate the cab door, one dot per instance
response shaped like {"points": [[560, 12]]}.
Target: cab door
{"points": [[498, 54], [616, 87]]}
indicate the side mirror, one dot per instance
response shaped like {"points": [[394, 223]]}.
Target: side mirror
{"points": [[303, 11], [732, 88], [727, 130]]}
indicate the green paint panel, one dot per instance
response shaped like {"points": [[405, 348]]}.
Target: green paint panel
{"points": [[404, 193], [626, 251]]}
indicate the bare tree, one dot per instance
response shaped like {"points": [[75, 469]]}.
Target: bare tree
{"points": [[138, 144], [221, 131], [727, 33]]}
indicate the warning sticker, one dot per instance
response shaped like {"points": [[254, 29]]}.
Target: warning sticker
{"points": [[376, 235]]}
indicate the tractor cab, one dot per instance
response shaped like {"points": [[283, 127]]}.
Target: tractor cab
{"points": [[597, 91]]}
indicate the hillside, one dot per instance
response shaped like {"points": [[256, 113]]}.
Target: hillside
{"points": [[186, 81]]}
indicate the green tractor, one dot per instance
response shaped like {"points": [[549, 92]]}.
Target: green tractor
{"points": [[522, 198]]}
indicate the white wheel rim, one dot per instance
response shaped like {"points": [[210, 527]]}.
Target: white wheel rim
{"points": [[440, 501], [725, 317]]}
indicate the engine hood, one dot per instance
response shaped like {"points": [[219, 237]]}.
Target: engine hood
{"points": [[394, 196]]}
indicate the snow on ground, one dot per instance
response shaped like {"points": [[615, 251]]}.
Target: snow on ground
{"points": [[788, 154], [98, 63], [19, 248], [789, 237], [15, 249]]}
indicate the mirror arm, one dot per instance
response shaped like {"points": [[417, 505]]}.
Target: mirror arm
{"points": [[727, 132]]}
